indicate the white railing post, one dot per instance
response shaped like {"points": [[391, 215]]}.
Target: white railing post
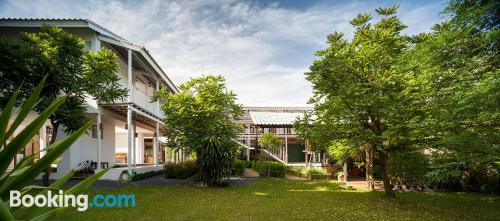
{"points": [[131, 137], [99, 134]]}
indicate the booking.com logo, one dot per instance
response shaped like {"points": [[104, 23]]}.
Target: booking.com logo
{"points": [[80, 202]]}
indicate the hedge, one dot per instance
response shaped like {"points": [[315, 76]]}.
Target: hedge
{"points": [[182, 170]]}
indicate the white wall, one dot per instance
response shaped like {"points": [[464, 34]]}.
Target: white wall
{"points": [[85, 148]]}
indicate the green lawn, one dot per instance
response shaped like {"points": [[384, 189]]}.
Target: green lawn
{"points": [[280, 199]]}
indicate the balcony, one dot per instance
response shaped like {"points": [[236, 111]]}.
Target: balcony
{"points": [[142, 100]]}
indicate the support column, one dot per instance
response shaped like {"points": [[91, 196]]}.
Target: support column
{"points": [[156, 139], [99, 134], [131, 132], [134, 144], [130, 77], [286, 146], [131, 138], [156, 144]]}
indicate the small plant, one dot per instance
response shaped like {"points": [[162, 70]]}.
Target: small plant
{"points": [[270, 141], [239, 167]]}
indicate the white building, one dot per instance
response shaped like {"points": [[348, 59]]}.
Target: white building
{"points": [[129, 128], [278, 120]]}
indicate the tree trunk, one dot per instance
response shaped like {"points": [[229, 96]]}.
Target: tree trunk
{"points": [[345, 170], [46, 172], [370, 181], [385, 178]]}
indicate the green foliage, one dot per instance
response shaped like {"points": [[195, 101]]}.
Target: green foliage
{"points": [[269, 168], [249, 164], [22, 175], [215, 160], [239, 167], [316, 132], [314, 171], [360, 97], [340, 150], [182, 170], [456, 73], [100, 78], [200, 119], [142, 176], [270, 141], [407, 167]]}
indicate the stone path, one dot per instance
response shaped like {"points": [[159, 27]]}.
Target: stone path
{"points": [[361, 185], [250, 173]]}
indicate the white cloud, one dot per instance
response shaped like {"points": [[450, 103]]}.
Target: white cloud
{"points": [[262, 50]]}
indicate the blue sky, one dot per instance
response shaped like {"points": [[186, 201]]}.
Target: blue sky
{"points": [[262, 47]]}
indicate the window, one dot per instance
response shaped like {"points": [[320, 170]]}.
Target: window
{"points": [[87, 46]]}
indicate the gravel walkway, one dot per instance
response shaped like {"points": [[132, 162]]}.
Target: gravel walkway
{"points": [[152, 181]]}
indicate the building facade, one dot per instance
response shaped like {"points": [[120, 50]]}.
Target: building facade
{"points": [[129, 130], [279, 120]]}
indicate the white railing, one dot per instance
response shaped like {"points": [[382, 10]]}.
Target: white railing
{"points": [[144, 101]]}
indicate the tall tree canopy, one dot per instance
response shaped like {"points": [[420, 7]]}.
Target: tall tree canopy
{"points": [[438, 91], [457, 72], [200, 119], [361, 94]]}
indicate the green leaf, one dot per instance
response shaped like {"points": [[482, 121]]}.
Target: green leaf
{"points": [[59, 183], [27, 107], [56, 150], [9, 151], [5, 212], [4, 118], [85, 184], [47, 214]]}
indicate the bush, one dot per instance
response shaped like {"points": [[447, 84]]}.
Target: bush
{"points": [[314, 171], [249, 164], [269, 169], [239, 167], [149, 174], [407, 168], [182, 170]]}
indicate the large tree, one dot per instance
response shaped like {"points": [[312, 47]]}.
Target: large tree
{"points": [[199, 119], [457, 72], [359, 90]]}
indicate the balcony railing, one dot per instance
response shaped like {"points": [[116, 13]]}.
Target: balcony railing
{"points": [[144, 101]]}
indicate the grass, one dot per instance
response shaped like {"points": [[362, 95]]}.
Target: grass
{"points": [[280, 199]]}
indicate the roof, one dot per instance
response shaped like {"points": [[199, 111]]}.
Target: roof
{"points": [[274, 118], [105, 35]]}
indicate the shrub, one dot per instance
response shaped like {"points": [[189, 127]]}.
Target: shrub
{"points": [[182, 170], [268, 168], [249, 164], [277, 169], [146, 175], [238, 167], [314, 171]]}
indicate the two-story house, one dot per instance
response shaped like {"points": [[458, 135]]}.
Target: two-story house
{"points": [[128, 137]]}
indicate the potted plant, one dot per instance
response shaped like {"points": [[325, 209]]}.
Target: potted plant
{"points": [[340, 176]]}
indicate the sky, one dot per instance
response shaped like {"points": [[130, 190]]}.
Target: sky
{"points": [[262, 48]]}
